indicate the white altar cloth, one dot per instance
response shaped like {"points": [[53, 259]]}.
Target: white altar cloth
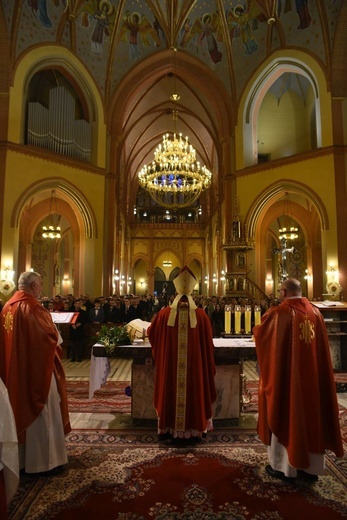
{"points": [[100, 367]]}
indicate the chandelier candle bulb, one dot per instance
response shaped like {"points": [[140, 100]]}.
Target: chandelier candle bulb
{"points": [[227, 319], [237, 319], [247, 319], [175, 178], [257, 317]]}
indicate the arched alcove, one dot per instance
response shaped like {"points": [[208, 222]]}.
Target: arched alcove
{"points": [[264, 220], [60, 261], [295, 83], [286, 122]]}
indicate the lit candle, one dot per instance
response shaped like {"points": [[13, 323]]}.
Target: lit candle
{"points": [[237, 319], [227, 319], [247, 319], [257, 315]]}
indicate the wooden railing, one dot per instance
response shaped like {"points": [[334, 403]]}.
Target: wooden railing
{"points": [[240, 286]]}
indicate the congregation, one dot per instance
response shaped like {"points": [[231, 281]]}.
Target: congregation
{"points": [[118, 310], [124, 308]]}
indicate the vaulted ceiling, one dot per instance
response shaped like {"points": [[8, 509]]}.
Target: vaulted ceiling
{"points": [[139, 53]]}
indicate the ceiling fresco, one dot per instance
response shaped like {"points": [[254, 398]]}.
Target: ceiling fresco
{"points": [[219, 44], [231, 38]]}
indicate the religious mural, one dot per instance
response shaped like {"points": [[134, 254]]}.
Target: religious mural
{"points": [[101, 16], [137, 26], [124, 31]]}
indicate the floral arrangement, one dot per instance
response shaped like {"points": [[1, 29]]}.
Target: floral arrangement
{"points": [[111, 337]]}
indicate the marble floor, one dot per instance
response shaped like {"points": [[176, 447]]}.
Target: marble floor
{"points": [[121, 371]]}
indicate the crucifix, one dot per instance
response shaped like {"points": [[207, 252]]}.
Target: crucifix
{"points": [[283, 250]]}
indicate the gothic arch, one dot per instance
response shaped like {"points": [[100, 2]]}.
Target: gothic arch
{"points": [[132, 145], [136, 258], [32, 207], [170, 251], [259, 86], [275, 192], [307, 210], [69, 192]]}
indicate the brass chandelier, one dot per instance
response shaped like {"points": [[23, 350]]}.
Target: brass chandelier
{"points": [[288, 231], [175, 178], [51, 230]]}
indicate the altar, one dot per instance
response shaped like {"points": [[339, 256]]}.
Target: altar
{"points": [[229, 354]]}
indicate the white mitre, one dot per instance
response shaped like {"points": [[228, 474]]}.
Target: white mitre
{"points": [[184, 284]]}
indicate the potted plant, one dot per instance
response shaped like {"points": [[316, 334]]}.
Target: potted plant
{"points": [[111, 337]]}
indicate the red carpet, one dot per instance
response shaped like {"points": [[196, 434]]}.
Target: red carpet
{"points": [[110, 398], [128, 475]]}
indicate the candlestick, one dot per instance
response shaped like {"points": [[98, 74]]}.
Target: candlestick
{"points": [[257, 318], [227, 319], [237, 319], [247, 319]]}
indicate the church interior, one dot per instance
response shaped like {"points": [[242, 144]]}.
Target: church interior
{"points": [[102, 102], [90, 89]]}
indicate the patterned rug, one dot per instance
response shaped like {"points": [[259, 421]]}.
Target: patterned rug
{"points": [[111, 398], [250, 397], [131, 476]]}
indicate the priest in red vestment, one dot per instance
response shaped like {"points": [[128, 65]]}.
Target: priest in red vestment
{"points": [[31, 369], [182, 348], [298, 411]]}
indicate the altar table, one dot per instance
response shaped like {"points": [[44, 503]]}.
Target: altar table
{"points": [[229, 354]]}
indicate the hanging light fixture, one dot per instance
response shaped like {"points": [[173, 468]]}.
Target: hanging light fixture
{"points": [[167, 261], [288, 231], [175, 178], [52, 231]]}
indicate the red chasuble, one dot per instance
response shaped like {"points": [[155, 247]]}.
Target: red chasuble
{"points": [[29, 354], [185, 370], [297, 394]]}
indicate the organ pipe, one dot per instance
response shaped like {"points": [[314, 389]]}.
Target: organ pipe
{"points": [[56, 128]]}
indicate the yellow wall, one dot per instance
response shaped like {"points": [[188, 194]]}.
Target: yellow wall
{"points": [[22, 172]]}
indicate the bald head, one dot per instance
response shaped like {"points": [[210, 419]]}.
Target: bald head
{"points": [[30, 282], [290, 287]]}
